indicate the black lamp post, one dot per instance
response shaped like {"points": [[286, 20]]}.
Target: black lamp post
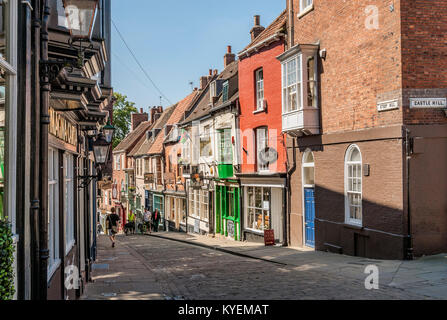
{"points": [[101, 149], [108, 131]]}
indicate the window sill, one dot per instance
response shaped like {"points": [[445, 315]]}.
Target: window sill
{"points": [[353, 225], [305, 11], [259, 111], [259, 232]]}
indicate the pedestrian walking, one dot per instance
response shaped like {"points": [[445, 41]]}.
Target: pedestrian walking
{"points": [[156, 219], [113, 221], [148, 220]]}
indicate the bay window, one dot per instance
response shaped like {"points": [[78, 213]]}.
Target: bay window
{"points": [[258, 208], [292, 78], [353, 186], [300, 90]]}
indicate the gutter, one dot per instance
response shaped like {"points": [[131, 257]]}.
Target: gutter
{"points": [[264, 42]]}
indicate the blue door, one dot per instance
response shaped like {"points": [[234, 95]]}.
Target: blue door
{"points": [[309, 199]]}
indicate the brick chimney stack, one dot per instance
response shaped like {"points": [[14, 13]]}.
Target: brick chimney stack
{"points": [[229, 57], [203, 82], [257, 29], [156, 113], [138, 118]]}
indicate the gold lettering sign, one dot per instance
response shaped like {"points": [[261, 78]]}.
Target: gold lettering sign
{"points": [[62, 129]]}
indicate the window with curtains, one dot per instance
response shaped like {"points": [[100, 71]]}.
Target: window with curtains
{"points": [[69, 202], [53, 210], [261, 145], [353, 185]]}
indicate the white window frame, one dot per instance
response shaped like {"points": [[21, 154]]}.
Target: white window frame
{"points": [[349, 191], [259, 89], [53, 211], [306, 6], [262, 168], [69, 215], [199, 204], [298, 82]]}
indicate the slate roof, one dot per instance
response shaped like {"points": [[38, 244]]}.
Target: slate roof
{"points": [[145, 144], [128, 142], [204, 106], [273, 28], [176, 117]]}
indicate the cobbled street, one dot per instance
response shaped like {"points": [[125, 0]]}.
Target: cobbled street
{"points": [[145, 267]]}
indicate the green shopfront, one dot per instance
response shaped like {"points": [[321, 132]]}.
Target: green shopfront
{"points": [[228, 211]]}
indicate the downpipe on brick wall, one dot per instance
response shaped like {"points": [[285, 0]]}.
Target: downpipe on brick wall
{"points": [[288, 195], [409, 240]]}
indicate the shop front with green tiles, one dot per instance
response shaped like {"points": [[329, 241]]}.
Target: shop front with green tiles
{"points": [[228, 211]]}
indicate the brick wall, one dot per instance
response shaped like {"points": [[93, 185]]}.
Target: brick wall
{"points": [[361, 66], [265, 58], [424, 54]]}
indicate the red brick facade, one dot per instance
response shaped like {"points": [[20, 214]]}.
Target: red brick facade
{"points": [[271, 118]]}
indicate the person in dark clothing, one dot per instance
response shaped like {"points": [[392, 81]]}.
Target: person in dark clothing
{"points": [[113, 221], [156, 218]]}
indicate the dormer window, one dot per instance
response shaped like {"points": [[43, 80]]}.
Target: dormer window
{"points": [[260, 90], [300, 90]]}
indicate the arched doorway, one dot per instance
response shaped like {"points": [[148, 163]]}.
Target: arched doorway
{"points": [[308, 174]]}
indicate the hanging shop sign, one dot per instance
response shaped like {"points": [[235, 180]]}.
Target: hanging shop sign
{"points": [[62, 129], [428, 103]]}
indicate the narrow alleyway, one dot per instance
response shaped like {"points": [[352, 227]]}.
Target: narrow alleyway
{"points": [[145, 267]]}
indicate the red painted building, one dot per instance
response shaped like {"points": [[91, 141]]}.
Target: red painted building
{"points": [[263, 154]]}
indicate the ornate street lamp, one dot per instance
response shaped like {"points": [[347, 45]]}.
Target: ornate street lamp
{"points": [[108, 131], [81, 15], [101, 150]]}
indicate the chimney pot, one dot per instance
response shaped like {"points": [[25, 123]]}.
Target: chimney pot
{"points": [[229, 49], [257, 20]]}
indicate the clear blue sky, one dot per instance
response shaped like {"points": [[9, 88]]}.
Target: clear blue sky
{"points": [[178, 41]]}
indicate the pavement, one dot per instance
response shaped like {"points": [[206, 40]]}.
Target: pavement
{"points": [[178, 266]]}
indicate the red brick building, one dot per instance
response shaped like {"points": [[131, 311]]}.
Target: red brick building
{"points": [[263, 154], [364, 107]]}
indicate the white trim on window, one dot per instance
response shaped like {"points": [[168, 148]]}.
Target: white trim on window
{"points": [[353, 186], [305, 7], [53, 210], [259, 89], [69, 215], [292, 84]]}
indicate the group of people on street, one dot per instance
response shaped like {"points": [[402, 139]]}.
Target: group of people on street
{"points": [[150, 220]]}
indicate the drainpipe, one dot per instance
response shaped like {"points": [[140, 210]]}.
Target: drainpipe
{"points": [[43, 158], [288, 194], [35, 203], [291, 39], [409, 242]]}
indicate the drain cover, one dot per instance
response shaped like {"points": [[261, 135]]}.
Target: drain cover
{"points": [[109, 295], [100, 266]]}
